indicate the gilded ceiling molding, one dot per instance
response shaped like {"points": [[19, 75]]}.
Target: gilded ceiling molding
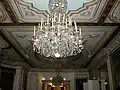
{"points": [[114, 15], [89, 12]]}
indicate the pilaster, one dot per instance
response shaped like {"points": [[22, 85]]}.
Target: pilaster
{"points": [[18, 79]]}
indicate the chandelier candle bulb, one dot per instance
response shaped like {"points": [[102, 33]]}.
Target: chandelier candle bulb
{"points": [[59, 17], [54, 17], [52, 22], [70, 21], [41, 24], [75, 25], [48, 19], [50, 78], [63, 18], [58, 28], [34, 31], [80, 33], [66, 23]]}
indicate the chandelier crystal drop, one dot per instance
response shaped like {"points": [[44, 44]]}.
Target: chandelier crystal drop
{"points": [[55, 36]]}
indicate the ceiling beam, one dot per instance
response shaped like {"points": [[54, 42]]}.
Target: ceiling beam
{"points": [[10, 12], [78, 24], [106, 11]]}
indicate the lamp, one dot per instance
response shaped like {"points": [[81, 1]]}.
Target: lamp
{"points": [[57, 80], [55, 35]]}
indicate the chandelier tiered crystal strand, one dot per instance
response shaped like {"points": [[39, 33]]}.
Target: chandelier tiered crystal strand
{"points": [[56, 37]]}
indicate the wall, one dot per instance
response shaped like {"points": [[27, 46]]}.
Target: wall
{"points": [[34, 79]]}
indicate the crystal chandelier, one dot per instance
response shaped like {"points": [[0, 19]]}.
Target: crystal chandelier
{"points": [[56, 37]]}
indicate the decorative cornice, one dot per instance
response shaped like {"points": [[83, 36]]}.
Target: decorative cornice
{"points": [[15, 63], [63, 70]]}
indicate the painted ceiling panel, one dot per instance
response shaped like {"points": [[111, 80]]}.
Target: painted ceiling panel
{"points": [[4, 17], [79, 10], [43, 4], [97, 34]]}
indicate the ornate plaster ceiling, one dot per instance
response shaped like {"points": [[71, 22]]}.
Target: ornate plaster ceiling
{"points": [[94, 13], [31, 11]]}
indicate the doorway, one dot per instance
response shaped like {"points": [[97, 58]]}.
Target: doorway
{"points": [[47, 85], [79, 83]]}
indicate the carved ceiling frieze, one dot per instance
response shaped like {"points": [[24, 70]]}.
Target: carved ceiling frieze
{"points": [[3, 15], [88, 12], [114, 15]]}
